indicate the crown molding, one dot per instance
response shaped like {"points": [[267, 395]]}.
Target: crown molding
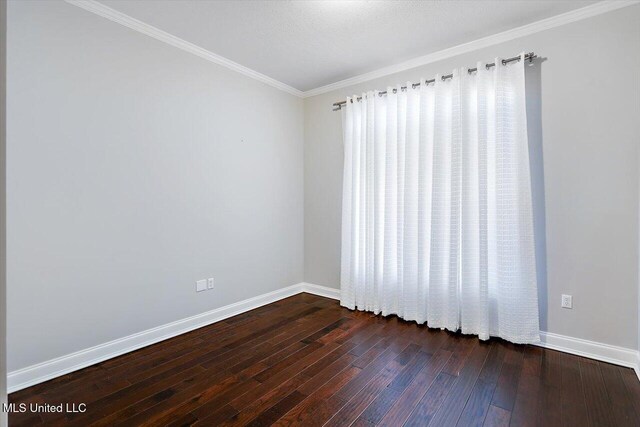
{"points": [[535, 27], [151, 31], [545, 24]]}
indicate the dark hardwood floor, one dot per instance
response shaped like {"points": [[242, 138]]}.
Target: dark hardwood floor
{"points": [[306, 361]]}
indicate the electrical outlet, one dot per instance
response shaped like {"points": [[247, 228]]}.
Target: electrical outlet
{"points": [[567, 301], [210, 283], [201, 285]]}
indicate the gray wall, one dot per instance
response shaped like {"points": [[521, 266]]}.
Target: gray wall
{"points": [[584, 119], [3, 228], [135, 168]]}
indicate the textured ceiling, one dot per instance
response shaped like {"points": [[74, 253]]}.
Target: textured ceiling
{"points": [[307, 44]]}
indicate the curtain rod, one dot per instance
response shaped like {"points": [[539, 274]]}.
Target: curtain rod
{"points": [[530, 56]]}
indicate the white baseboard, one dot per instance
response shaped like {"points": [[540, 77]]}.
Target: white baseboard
{"points": [[593, 350], [50, 369], [323, 291]]}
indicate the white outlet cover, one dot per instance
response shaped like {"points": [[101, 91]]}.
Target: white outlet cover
{"points": [[567, 301], [210, 283], [201, 285]]}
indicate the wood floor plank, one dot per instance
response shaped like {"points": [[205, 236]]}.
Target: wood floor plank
{"points": [[550, 389], [300, 413], [26, 419], [430, 340], [454, 403], [573, 407], [223, 334], [212, 398], [147, 408], [505, 393], [307, 361], [525, 408], [599, 407], [621, 400], [431, 401], [258, 393], [278, 410], [156, 356], [265, 396], [265, 346], [410, 398], [633, 386], [460, 347], [379, 384], [174, 399], [208, 400], [220, 377], [308, 388], [141, 354], [388, 397], [268, 396], [368, 372], [479, 401], [497, 417], [129, 395], [316, 373]]}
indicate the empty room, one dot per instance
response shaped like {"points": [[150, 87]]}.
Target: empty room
{"points": [[320, 213]]}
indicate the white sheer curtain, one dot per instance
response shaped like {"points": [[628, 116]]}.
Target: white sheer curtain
{"points": [[437, 221]]}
